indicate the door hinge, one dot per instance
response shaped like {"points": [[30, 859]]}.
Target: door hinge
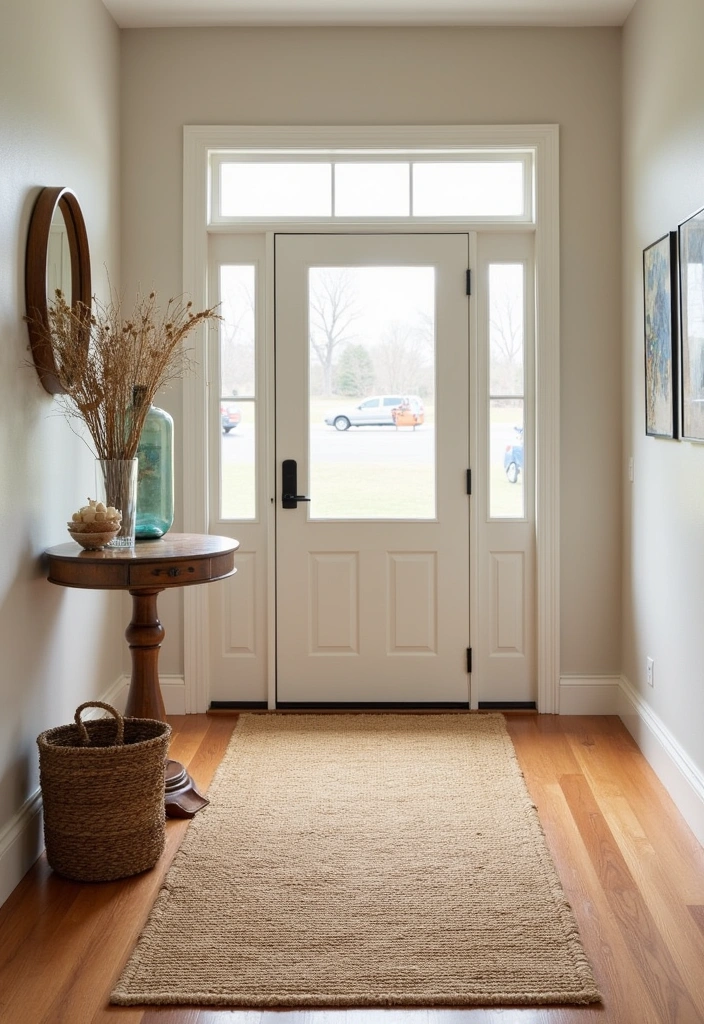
{"points": [[469, 659], [469, 481], [469, 282]]}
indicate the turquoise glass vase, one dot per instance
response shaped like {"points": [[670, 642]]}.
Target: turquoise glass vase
{"points": [[155, 475]]}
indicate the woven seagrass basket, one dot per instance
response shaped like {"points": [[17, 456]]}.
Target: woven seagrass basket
{"points": [[102, 786]]}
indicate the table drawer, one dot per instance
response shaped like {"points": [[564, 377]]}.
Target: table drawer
{"points": [[175, 574]]}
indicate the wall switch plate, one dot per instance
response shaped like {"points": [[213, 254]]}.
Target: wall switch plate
{"points": [[649, 671]]}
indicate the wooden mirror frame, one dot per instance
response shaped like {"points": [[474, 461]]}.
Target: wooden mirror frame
{"points": [[36, 298]]}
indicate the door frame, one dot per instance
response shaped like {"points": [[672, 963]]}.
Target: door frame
{"points": [[543, 140]]}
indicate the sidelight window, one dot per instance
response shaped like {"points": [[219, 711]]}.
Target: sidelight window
{"points": [[506, 390], [238, 392]]}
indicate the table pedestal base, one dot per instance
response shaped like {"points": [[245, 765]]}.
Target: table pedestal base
{"points": [[144, 700], [182, 797]]}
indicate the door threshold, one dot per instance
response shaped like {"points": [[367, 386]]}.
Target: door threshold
{"points": [[237, 705], [507, 705], [372, 706]]}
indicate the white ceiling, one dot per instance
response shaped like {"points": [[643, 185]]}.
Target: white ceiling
{"points": [[193, 13]]}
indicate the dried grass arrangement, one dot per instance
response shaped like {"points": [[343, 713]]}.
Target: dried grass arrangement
{"points": [[141, 350]]}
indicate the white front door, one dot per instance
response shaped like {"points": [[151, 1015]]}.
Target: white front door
{"points": [[372, 569]]}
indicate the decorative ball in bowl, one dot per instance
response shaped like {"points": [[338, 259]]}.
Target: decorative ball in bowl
{"points": [[95, 525]]}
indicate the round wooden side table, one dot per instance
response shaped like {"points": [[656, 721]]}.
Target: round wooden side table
{"points": [[175, 560]]}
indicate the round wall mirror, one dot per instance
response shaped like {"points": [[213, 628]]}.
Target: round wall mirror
{"points": [[57, 258]]}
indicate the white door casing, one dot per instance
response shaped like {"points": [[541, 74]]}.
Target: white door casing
{"points": [[199, 141]]}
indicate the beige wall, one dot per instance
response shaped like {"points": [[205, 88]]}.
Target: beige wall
{"points": [[59, 106], [416, 76], [663, 549]]}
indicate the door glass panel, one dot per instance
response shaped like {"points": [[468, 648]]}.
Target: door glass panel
{"points": [[372, 340], [506, 390], [276, 190], [237, 393], [372, 190], [468, 189]]}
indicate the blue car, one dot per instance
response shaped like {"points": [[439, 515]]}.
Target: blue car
{"points": [[513, 457]]}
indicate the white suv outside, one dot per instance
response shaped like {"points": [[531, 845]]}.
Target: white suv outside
{"points": [[373, 412]]}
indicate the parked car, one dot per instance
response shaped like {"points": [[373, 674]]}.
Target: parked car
{"points": [[377, 411], [230, 416], [513, 457]]}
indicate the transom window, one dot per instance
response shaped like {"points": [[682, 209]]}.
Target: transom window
{"points": [[265, 186]]}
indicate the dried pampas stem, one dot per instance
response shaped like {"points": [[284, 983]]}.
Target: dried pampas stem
{"points": [[143, 350]]}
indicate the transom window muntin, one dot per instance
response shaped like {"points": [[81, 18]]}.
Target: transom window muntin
{"points": [[333, 186]]}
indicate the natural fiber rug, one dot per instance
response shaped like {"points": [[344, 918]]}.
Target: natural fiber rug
{"points": [[363, 860]]}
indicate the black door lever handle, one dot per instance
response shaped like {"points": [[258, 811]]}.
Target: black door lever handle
{"points": [[289, 485]]}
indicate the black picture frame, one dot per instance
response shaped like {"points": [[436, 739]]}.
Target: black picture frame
{"points": [[660, 329], [691, 275]]}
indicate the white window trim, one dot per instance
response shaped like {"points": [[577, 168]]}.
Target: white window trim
{"points": [[199, 142]]}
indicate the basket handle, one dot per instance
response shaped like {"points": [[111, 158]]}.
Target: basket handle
{"points": [[83, 732]]}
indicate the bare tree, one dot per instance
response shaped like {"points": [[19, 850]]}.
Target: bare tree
{"points": [[424, 329], [333, 310], [506, 342], [237, 340], [401, 361]]}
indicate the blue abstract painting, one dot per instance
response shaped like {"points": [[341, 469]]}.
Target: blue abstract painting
{"points": [[660, 333]]}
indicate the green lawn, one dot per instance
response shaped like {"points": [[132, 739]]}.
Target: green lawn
{"points": [[380, 490]]}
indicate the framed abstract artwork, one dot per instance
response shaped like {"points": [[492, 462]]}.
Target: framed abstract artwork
{"points": [[691, 255], [660, 291]]}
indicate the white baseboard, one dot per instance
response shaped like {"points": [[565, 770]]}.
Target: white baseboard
{"points": [[22, 838], [589, 695], [682, 779], [21, 842], [173, 690]]}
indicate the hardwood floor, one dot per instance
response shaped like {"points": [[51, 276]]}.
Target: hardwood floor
{"points": [[630, 866]]}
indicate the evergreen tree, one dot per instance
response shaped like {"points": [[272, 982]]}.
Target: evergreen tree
{"points": [[355, 372]]}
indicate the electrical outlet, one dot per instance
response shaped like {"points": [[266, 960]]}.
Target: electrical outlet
{"points": [[649, 671]]}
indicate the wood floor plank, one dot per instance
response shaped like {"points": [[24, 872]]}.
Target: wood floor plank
{"points": [[615, 973], [58, 957], [33, 913], [187, 737], [698, 915], [659, 973], [171, 1015], [674, 923], [210, 751], [209, 1016], [495, 1015], [664, 826], [544, 753], [117, 1015]]}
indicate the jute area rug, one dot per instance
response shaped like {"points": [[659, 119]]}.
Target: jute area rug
{"points": [[363, 860]]}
